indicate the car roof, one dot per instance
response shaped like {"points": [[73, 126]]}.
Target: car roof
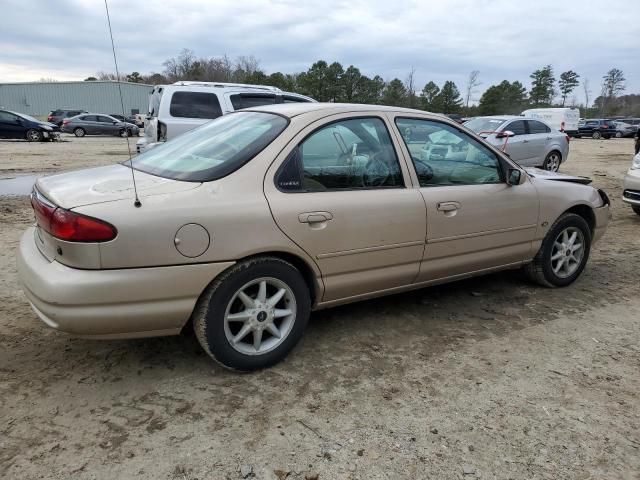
{"points": [[294, 109]]}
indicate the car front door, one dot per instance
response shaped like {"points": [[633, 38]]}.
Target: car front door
{"points": [[106, 125], [339, 191], [519, 147], [475, 220], [11, 126]]}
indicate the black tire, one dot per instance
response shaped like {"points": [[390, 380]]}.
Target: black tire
{"points": [[79, 132], [636, 209], [540, 269], [596, 135], [34, 135], [129, 132], [550, 160], [209, 314], [122, 132]]}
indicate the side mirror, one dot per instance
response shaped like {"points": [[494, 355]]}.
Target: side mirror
{"points": [[514, 176], [505, 134]]}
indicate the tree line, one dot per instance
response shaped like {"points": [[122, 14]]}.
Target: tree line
{"points": [[331, 82]]}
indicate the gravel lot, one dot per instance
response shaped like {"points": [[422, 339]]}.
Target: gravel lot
{"points": [[486, 378]]}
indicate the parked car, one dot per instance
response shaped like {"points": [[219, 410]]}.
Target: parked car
{"points": [[631, 186], [597, 128], [183, 106], [624, 130], [57, 116], [19, 125], [250, 221], [136, 119], [631, 121], [529, 142], [564, 119], [98, 124]]}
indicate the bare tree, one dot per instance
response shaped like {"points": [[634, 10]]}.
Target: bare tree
{"points": [[410, 86], [472, 83], [587, 92]]}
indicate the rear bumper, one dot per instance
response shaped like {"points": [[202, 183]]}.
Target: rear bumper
{"points": [[631, 187], [122, 303]]}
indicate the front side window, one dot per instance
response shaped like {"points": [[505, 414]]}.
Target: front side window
{"points": [[345, 155], [195, 105], [214, 149], [484, 124], [538, 127], [444, 155]]}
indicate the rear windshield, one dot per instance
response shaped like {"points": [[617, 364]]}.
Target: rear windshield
{"points": [[214, 149], [483, 124]]}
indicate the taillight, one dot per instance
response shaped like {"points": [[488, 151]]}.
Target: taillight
{"points": [[70, 226], [65, 121], [49, 118]]}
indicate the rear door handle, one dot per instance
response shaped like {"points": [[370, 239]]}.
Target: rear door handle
{"points": [[448, 206], [314, 217]]}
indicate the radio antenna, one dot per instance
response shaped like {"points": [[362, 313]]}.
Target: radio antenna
{"points": [[136, 202]]}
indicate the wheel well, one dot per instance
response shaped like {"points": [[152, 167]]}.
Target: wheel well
{"points": [[304, 268], [586, 212]]}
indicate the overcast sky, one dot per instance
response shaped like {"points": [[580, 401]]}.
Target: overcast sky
{"points": [[442, 40]]}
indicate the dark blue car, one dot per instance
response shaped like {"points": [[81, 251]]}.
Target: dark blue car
{"points": [[21, 126]]}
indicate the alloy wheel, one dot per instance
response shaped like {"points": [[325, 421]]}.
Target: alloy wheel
{"points": [[259, 316], [553, 162], [567, 252]]}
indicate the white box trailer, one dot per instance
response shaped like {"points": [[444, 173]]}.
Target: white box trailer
{"points": [[563, 119]]}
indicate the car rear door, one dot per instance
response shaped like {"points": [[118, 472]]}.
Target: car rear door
{"points": [[340, 192], [90, 124], [519, 147], [539, 139], [475, 220]]}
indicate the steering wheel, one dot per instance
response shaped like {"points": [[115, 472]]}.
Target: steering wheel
{"points": [[376, 173]]}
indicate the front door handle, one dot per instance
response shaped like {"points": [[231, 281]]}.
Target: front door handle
{"points": [[315, 217], [448, 206]]}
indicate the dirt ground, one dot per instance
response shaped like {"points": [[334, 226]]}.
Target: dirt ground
{"points": [[486, 378]]}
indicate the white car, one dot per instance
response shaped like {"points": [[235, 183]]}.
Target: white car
{"points": [[529, 142], [631, 187], [182, 106]]}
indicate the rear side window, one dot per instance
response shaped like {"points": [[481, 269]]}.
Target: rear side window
{"points": [[195, 105], [345, 155], [89, 118], [518, 127], [240, 101], [538, 127]]}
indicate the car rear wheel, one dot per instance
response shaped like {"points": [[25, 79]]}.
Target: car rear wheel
{"points": [[34, 135], [253, 315], [563, 254], [618, 134], [552, 162], [79, 132], [596, 135]]}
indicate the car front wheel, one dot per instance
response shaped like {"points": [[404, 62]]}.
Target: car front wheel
{"points": [[254, 314], [563, 254], [34, 135]]}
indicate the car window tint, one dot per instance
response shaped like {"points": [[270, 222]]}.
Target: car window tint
{"points": [[89, 118], [350, 154], [103, 119], [538, 127], [443, 155], [195, 105], [240, 101], [7, 117], [517, 127], [292, 99], [592, 124]]}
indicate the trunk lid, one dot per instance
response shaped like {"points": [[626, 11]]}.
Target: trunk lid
{"points": [[105, 184]]}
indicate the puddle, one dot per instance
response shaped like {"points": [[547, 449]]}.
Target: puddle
{"points": [[17, 186]]}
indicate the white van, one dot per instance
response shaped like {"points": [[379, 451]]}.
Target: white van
{"points": [[183, 106], [563, 119]]}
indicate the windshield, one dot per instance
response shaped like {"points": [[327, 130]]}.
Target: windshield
{"points": [[484, 124], [214, 149]]}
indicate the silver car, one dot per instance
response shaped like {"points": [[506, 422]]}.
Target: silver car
{"points": [[98, 124], [530, 142]]}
